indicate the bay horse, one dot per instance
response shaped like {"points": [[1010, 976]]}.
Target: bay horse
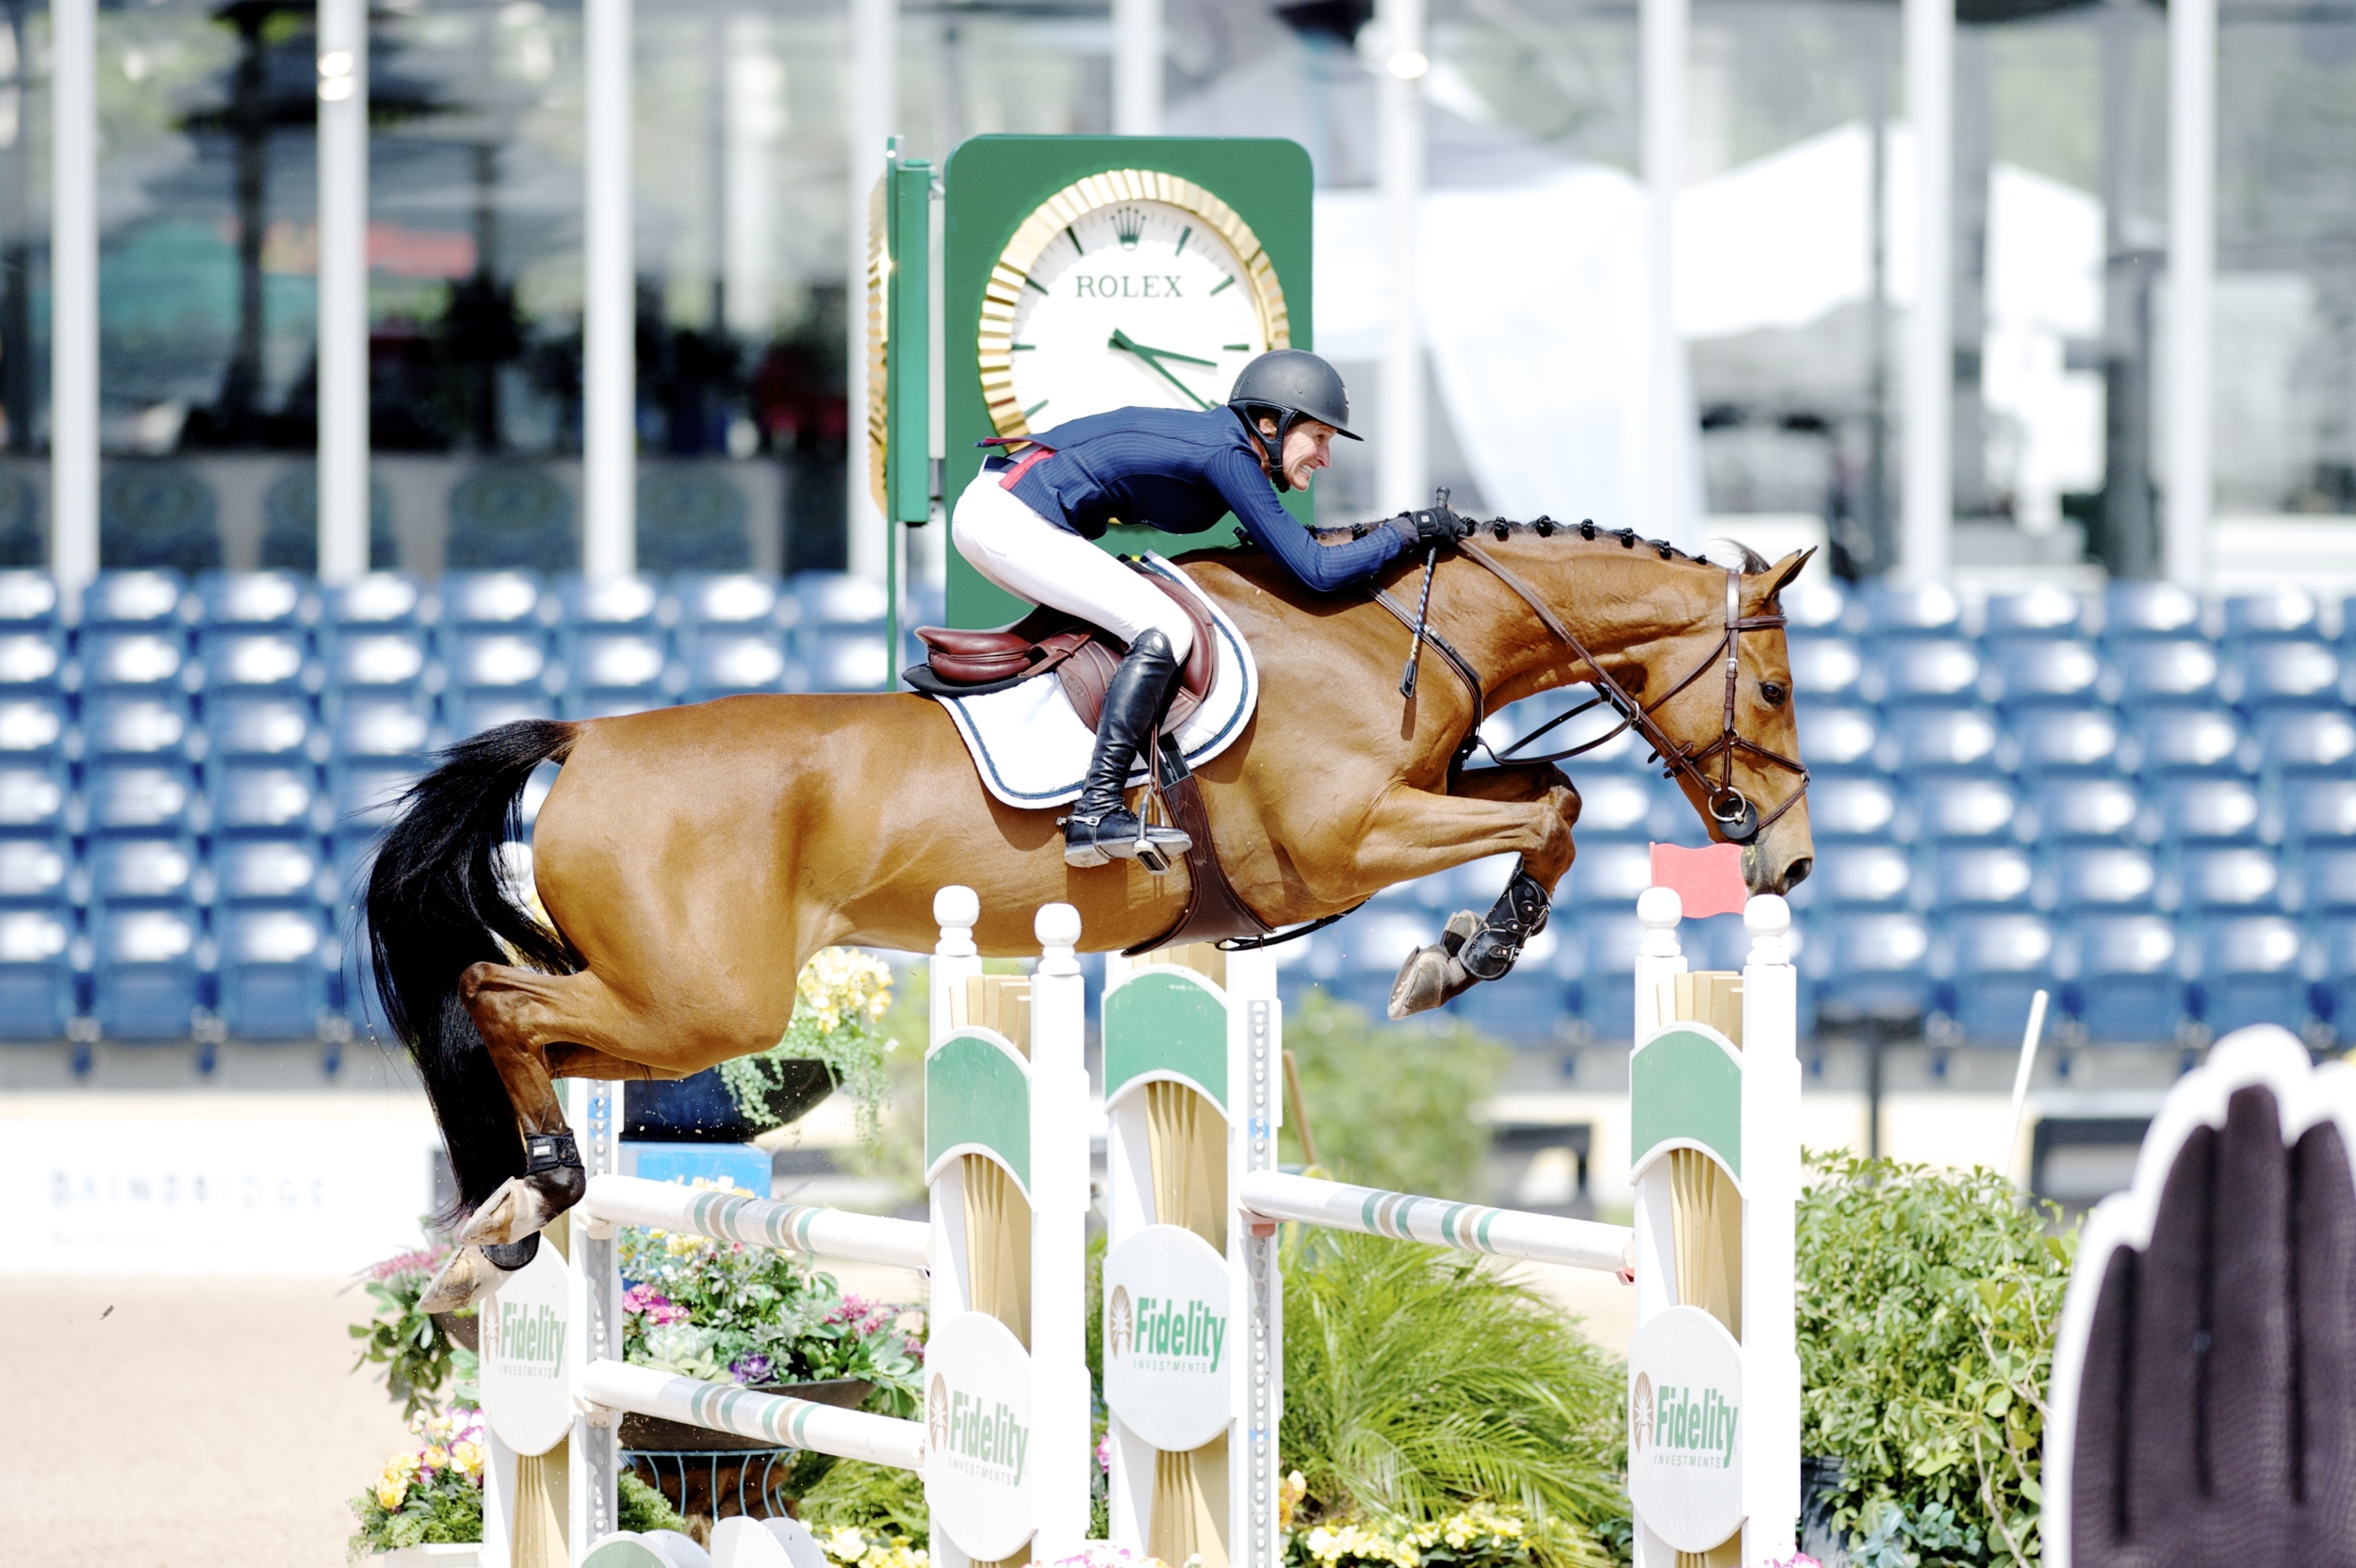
{"points": [[691, 860]]}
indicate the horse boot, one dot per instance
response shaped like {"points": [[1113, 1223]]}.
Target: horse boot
{"points": [[1472, 949], [553, 1180], [1100, 826]]}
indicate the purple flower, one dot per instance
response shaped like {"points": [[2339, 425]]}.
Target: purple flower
{"points": [[1105, 1453], [916, 1348], [754, 1368]]}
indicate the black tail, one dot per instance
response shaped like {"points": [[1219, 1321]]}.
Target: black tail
{"points": [[435, 905]]}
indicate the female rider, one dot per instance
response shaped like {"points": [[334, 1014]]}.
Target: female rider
{"points": [[1026, 521]]}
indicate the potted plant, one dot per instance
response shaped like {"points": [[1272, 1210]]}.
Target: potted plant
{"points": [[419, 1351], [832, 1043]]}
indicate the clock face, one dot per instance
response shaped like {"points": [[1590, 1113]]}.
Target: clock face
{"points": [[1126, 288]]}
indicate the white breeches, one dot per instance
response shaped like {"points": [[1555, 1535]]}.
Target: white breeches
{"points": [[1032, 559]]}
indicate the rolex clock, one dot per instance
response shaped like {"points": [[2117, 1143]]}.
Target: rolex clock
{"points": [[1091, 274]]}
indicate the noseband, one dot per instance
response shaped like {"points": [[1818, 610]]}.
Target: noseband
{"points": [[1736, 818]]}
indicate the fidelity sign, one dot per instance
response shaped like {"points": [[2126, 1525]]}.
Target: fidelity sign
{"points": [[977, 1435], [1168, 1370], [1685, 1428], [526, 1326]]}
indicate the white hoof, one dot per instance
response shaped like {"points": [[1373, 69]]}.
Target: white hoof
{"points": [[466, 1278], [516, 1210]]}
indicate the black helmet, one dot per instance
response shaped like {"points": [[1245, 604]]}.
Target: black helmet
{"points": [[1290, 385]]}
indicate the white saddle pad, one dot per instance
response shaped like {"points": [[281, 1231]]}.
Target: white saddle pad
{"points": [[1032, 750]]}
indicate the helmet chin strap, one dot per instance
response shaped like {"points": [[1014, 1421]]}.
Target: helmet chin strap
{"points": [[1272, 449]]}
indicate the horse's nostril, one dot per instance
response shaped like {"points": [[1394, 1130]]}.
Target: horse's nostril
{"points": [[1796, 873]]}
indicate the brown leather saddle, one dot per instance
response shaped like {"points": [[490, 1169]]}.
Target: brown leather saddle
{"points": [[966, 664]]}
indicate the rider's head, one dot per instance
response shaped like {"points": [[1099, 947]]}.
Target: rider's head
{"points": [[1297, 404]]}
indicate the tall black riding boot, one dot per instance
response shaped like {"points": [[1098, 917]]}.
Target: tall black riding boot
{"points": [[1100, 825]]}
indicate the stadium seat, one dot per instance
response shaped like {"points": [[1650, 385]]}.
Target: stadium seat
{"points": [[378, 601], [611, 604], [2209, 810], [616, 672], [381, 726], [36, 972], [254, 600], [265, 802], [2173, 742], [275, 965], [30, 664], [1852, 809], [1995, 964], [837, 600], [2252, 972], [1869, 967], [2326, 879], [2044, 670], [257, 729], [1924, 610], [508, 601], [391, 660], [233, 661], [2305, 740], [2166, 673], [472, 713], [843, 660], [28, 601], [2098, 876], [1824, 669], [36, 871], [1603, 875], [2085, 807], [2285, 612], [1599, 947], [152, 600], [2334, 946], [732, 599], [1982, 876], [362, 793], [32, 726], [1943, 740], [2234, 878], [2062, 741], [2319, 808], [1839, 740], [2126, 988], [1528, 1008], [1854, 876], [118, 728], [140, 799], [2282, 674], [723, 663], [2045, 611], [2137, 610], [499, 661], [1615, 806], [144, 983], [1817, 602], [133, 660], [268, 871], [33, 797], [142, 870], [1962, 808], [1900, 670]]}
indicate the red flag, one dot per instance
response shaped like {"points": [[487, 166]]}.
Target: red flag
{"points": [[1708, 881]]}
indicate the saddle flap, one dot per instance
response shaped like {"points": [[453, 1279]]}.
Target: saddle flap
{"points": [[1082, 656]]}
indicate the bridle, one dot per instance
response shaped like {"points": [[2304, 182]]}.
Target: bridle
{"points": [[1737, 817]]}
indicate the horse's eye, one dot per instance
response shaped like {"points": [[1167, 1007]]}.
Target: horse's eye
{"points": [[1773, 690]]}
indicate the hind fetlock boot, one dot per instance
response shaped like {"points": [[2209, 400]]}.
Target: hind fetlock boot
{"points": [[1101, 827]]}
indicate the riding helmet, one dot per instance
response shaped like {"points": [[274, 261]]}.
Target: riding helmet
{"points": [[1290, 385]]}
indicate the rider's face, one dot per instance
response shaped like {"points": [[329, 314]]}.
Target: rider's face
{"points": [[1308, 447]]}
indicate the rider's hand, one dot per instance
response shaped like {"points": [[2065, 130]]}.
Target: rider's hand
{"points": [[1434, 527]]}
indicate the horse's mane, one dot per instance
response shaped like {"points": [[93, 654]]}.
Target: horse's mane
{"points": [[1502, 528]]}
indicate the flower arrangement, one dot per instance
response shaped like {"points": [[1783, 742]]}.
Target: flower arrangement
{"points": [[840, 999], [711, 1309], [857, 1548], [417, 1357], [430, 1494], [1481, 1536]]}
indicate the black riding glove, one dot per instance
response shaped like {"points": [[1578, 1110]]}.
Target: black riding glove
{"points": [[1433, 528]]}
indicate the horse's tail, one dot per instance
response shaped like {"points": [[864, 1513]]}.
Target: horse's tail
{"points": [[436, 905]]}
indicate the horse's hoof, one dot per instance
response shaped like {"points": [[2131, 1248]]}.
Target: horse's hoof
{"points": [[1428, 977], [1462, 927], [516, 1210], [466, 1278]]}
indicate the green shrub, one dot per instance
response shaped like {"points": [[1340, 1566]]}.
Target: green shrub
{"points": [[1927, 1306], [643, 1507], [873, 1499], [1391, 1105]]}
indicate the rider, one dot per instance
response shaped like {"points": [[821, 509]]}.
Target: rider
{"points": [[1025, 523]]}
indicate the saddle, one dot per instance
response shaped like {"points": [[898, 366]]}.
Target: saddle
{"points": [[966, 664]]}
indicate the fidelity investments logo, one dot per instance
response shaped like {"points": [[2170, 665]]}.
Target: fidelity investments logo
{"points": [[990, 1444], [1164, 1333], [1680, 1431], [530, 1340]]}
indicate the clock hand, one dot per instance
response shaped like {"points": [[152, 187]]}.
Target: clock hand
{"points": [[1121, 340]]}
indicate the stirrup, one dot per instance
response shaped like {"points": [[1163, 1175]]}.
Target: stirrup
{"points": [[1121, 834]]}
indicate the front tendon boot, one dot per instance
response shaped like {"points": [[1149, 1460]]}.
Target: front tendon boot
{"points": [[1519, 914], [1100, 826], [1472, 949]]}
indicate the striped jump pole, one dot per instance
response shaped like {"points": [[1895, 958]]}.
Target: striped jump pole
{"points": [[1438, 1223]]}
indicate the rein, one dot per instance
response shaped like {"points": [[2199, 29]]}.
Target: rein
{"points": [[1736, 816]]}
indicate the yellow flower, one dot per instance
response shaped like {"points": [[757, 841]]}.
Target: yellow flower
{"points": [[436, 1458], [390, 1495], [468, 1457]]}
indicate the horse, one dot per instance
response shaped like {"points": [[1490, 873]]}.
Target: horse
{"points": [[691, 860]]}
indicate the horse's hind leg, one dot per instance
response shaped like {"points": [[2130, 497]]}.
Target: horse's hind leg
{"points": [[520, 1015]]}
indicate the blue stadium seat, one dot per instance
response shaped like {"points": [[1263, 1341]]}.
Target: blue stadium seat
{"points": [[2209, 810], [28, 601], [1600, 949], [1855, 876], [1852, 809], [387, 660], [611, 604], [723, 663], [2279, 673], [2243, 878], [363, 794], [609, 672], [2326, 880], [1982, 876], [32, 728], [142, 870], [275, 965], [2334, 947], [143, 800], [2175, 743], [284, 600], [265, 802], [143, 986], [842, 661], [472, 713], [270, 871], [2319, 808], [1824, 669], [739, 601], [510, 602], [2252, 972], [117, 727], [1615, 806], [381, 726], [2167, 671], [379, 601], [1870, 966], [2063, 740], [1962, 808], [258, 729], [259, 661], [2097, 876], [36, 871], [837, 600], [2024, 672], [1926, 610], [1603, 875], [1817, 602], [155, 601], [2301, 741], [2045, 611], [508, 662], [1839, 740], [2085, 807], [30, 662], [133, 660], [1995, 964], [1932, 739], [2126, 988], [2285, 612], [1917, 669], [36, 972], [2136, 610], [33, 797], [1527, 1007]]}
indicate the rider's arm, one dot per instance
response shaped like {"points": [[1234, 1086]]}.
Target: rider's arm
{"points": [[1322, 567]]}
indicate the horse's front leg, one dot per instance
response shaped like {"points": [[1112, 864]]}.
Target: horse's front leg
{"points": [[1474, 948]]}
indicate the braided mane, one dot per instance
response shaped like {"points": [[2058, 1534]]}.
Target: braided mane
{"points": [[1502, 528]]}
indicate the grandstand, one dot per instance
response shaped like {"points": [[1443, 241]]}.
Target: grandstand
{"points": [[2138, 800]]}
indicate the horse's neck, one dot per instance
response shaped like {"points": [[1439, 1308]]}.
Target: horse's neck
{"points": [[1623, 608]]}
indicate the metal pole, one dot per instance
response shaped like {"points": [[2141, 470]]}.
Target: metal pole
{"points": [[609, 328], [875, 26], [343, 310], [1136, 67], [1663, 30], [74, 294], [1927, 517], [2191, 280], [1403, 467]]}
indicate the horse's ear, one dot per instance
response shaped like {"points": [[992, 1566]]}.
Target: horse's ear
{"points": [[1779, 576]]}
